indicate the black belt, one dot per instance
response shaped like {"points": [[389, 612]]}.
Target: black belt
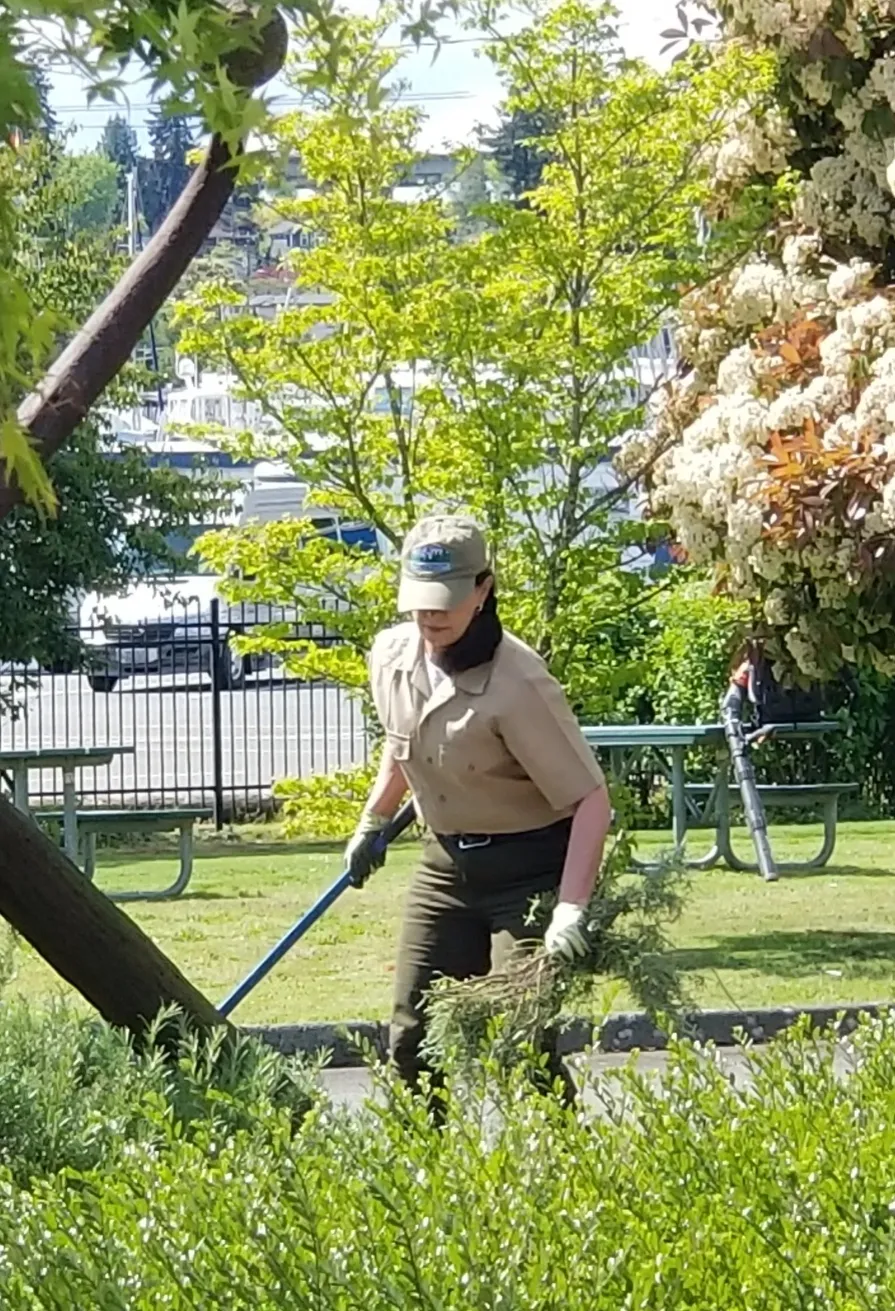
{"points": [[473, 841]]}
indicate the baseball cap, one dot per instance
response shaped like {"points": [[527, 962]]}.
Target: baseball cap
{"points": [[440, 560]]}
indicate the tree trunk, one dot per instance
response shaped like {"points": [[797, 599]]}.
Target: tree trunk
{"points": [[102, 347], [84, 936], [77, 930]]}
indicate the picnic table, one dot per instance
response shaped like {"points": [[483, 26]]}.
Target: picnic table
{"points": [[24, 761], [668, 744]]}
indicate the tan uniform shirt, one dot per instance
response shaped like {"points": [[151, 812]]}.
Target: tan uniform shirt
{"points": [[493, 750]]}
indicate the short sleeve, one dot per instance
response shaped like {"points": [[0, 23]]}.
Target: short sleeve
{"points": [[543, 735], [376, 673]]}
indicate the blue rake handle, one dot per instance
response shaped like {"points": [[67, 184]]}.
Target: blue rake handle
{"points": [[392, 830]]}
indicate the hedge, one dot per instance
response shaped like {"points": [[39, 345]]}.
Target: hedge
{"points": [[138, 1183]]}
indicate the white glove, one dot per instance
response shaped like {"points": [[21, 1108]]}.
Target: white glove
{"points": [[360, 858], [565, 934]]}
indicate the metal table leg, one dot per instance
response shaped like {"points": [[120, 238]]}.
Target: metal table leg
{"points": [[722, 818], [89, 853], [70, 814], [831, 813], [717, 805], [20, 787], [678, 799], [179, 886]]}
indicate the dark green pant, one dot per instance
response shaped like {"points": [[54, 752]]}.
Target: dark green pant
{"points": [[466, 911]]}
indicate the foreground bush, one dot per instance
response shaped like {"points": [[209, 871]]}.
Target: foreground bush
{"points": [[74, 1094], [696, 1194]]}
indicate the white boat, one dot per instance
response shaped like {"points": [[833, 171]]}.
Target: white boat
{"points": [[208, 399]]}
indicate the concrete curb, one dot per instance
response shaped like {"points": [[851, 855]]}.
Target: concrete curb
{"points": [[619, 1033], [341, 1041]]}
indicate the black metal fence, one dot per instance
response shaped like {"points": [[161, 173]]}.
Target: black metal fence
{"points": [[202, 724]]}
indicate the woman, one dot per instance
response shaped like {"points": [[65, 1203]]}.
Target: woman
{"points": [[513, 799]]}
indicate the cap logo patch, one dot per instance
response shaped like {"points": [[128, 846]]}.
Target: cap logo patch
{"points": [[431, 560]]}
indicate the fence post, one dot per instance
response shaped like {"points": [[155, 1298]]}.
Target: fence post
{"points": [[217, 655]]}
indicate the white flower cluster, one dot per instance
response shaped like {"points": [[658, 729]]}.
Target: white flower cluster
{"points": [[759, 291], [791, 23], [785, 21], [829, 376], [849, 282], [714, 482], [756, 294], [843, 199], [848, 194], [754, 145], [861, 331]]}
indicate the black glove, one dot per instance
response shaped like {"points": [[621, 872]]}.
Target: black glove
{"points": [[364, 852]]}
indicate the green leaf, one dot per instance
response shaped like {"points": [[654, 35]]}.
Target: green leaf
{"points": [[24, 467]]}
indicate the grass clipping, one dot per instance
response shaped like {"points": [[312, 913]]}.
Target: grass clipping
{"points": [[512, 1012]]}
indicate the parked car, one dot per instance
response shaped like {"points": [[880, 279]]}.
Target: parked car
{"points": [[166, 625]]}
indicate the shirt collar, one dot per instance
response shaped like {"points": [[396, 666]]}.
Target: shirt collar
{"points": [[474, 680]]}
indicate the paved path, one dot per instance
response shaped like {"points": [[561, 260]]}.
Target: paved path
{"points": [[350, 1086]]}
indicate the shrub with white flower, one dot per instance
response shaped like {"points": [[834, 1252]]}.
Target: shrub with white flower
{"points": [[781, 471], [774, 457], [835, 122]]}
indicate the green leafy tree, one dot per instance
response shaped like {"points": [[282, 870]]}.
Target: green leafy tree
{"points": [[47, 122], [115, 512], [166, 173], [119, 144], [198, 54], [115, 518], [87, 188], [492, 373], [205, 59], [516, 145]]}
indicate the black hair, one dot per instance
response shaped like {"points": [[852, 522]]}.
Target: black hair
{"points": [[479, 643]]}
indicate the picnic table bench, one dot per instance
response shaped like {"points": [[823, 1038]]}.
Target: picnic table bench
{"points": [[24, 761], [93, 821], [668, 744], [716, 799]]}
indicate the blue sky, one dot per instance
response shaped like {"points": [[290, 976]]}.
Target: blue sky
{"points": [[458, 91]]}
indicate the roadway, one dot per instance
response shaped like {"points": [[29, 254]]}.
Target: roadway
{"points": [[269, 729]]}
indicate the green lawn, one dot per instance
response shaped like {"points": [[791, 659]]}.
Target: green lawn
{"points": [[827, 937]]}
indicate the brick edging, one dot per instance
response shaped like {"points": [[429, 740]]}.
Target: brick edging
{"points": [[624, 1032]]}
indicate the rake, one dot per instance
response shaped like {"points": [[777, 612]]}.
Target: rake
{"points": [[392, 830]]}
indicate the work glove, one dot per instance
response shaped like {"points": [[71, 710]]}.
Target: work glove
{"points": [[566, 935], [361, 855]]}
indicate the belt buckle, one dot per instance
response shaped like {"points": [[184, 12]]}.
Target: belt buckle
{"points": [[468, 843]]}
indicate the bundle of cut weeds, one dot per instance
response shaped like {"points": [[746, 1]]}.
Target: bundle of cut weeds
{"points": [[515, 1010]]}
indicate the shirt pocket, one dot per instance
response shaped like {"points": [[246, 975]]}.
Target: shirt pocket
{"points": [[399, 744], [470, 746]]}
